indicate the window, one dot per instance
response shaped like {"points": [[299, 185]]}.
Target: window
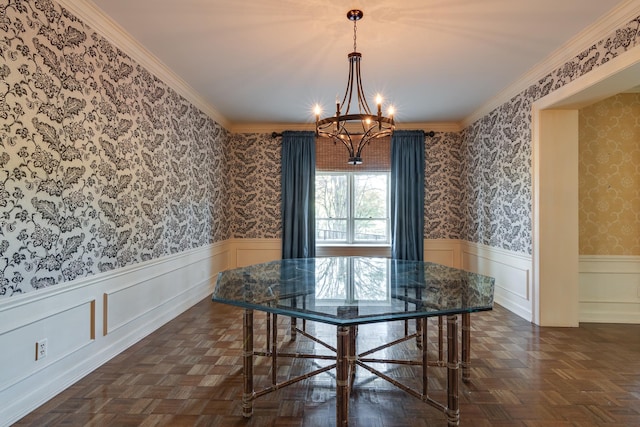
{"points": [[352, 207]]}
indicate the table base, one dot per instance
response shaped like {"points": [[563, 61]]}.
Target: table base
{"points": [[346, 360]]}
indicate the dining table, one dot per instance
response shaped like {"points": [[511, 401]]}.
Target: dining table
{"points": [[347, 292]]}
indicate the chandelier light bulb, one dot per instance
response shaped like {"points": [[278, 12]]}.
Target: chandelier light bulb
{"points": [[379, 99]]}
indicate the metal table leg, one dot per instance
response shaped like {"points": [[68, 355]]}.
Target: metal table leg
{"points": [[425, 355], [466, 347], [342, 376], [453, 409], [247, 356]]}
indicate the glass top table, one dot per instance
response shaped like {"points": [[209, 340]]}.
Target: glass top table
{"points": [[350, 291]]}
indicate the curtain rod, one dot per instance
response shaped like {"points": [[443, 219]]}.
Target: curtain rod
{"points": [[279, 134]]}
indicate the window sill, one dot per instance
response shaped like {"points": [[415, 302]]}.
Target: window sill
{"points": [[361, 249]]}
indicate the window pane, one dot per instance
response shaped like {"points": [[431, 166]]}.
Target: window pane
{"points": [[331, 230], [370, 196], [370, 230], [352, 207], [331, 196]]}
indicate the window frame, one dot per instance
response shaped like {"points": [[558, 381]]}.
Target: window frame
{"points": [[351, 220]]}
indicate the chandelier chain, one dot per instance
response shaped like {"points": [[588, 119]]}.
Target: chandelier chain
{"points": [[355, 26]]}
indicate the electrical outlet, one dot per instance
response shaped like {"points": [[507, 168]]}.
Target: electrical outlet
{"points": [[41, 349]]}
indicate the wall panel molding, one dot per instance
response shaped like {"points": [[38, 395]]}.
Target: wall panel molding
{"points": [[245, 252], [127, 304], [142, 295], [609, 289], [512, 273], [511, 270], [87, 301], [443, 251], [73, 331]]}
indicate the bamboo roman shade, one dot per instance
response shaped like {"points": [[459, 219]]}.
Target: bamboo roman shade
{"points": [[332, 157]]}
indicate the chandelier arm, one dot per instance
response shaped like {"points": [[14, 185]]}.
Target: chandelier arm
{"points": [[348, 94], [344, 132], [347, 142], [377, 135], [364, 140], [347, 146], [362, 100], [365, 123]]}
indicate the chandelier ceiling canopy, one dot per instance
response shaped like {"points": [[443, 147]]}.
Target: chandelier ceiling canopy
{"points": [[355, 129]]}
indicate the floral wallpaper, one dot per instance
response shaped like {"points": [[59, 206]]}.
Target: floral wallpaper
{"points": [[609, 176], [497, 152], [101, 164], [444, 187], [255, 193], [255, 187]]}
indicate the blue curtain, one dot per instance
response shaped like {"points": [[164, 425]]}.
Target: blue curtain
{"points": [[298, 194], [407, 195]]}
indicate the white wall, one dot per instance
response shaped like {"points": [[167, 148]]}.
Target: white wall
{"points": [[555, 216], [608, 286], [511, 270]]}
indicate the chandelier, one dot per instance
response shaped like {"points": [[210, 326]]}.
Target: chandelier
{"points": [[358, 129]]}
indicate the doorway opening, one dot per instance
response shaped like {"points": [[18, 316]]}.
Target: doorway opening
{"points": [[555, 186]]}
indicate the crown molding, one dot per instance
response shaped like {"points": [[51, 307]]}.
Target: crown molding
{"points": [[269, 127], [597, 31], [100, 22], [280, 127], [431, 126], [105, 26]]}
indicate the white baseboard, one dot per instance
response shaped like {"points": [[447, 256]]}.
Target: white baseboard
{"points": [[88, 321], [609, 289]]}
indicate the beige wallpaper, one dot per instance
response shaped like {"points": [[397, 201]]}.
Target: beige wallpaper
{"points": [[609, 176]]}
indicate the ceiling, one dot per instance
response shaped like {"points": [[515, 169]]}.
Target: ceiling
{"points": [[270, 61]]}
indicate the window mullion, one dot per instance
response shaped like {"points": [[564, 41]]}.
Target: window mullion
{"points": [[350, 221], [388, 208]]}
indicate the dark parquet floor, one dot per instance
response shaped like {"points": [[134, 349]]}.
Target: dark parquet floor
{"points": [[189, 373]]}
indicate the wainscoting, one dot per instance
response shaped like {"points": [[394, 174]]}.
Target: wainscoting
{"points": [[511, 270], [609, 286], [243, 252], [89, 321], [609, 289]]}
